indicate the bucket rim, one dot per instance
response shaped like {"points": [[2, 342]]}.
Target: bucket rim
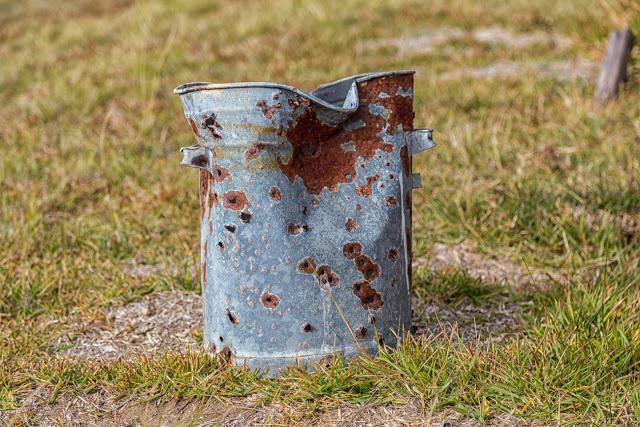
{"points": [[356, 78]]}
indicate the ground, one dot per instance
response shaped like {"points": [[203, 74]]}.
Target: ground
{"points": [[526, 231]]}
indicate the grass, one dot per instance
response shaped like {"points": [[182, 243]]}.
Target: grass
{"points": [[89, 178]]}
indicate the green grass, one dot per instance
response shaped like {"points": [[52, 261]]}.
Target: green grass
{"points": [[89, 178]]}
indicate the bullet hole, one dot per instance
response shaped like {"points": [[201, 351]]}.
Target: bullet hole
{"points": [[295, 229], [210, 123], [393, 254], [200, 161], [327, 361], [391, 201], [234, 200], [245, 217], [275, 194], [369, 297], [270, 301], [221, 245], [304, 210], [315, 202], [307, 266], [391, 176], [350, 224], [393, 283], [327, 277], [221, 339], [351, 250], [367, 267], [381, 185], [307, 328], [361, 332], [372, 319], [358, 207], [219, 173], [387, 163], [232, 317], [231, 228]]}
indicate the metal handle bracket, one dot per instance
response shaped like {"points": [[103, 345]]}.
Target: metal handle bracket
{"points": [[419, 140]]}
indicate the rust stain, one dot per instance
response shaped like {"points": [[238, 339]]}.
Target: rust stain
{"points": [[267, 110], [317, 155], [350, 224], [351, 250], [200, 161], [294, 103], [307, 265], [234, 200], [369, 297], [327, 277], [269, 300], [406, 161], [358, 207], [369, 269], [315, 202], [203, 267], [226, 353], [275, 194], [194, 127], [365, 190], [220, 173], [204, 190], [253, 151], [211, 124], [361, 332], [391, 201], [295, 229]]}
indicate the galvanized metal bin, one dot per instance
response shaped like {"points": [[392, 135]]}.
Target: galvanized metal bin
{"points": [[305, 215]]}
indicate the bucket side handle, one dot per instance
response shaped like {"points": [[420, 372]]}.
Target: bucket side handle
{"points": [[419, 140], [197, 156]]}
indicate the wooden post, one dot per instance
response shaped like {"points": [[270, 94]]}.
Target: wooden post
{"points": [[614, 67]]}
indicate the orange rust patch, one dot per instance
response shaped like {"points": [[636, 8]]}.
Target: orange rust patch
{"points": [[270, 301], [317, 155], [369, 269], [369, 297], [307, 265], [391, 201], [234, 200], [267, 110], [275, 194], [351, 250], [350, 224], [253, 151], [219, 173], [365, 190], [327, 277]]}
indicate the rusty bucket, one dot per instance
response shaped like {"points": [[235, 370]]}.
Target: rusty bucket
{"points": [[305, 215]]}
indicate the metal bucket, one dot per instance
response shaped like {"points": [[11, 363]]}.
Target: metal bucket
{"points": [[305, 215]]}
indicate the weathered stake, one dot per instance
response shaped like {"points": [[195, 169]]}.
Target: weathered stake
{"points": [[614, 67]]}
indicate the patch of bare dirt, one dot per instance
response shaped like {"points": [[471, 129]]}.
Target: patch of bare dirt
{"points": [[499, 270], [566, 70], [427, 41], [101, 410], [160, 322]]}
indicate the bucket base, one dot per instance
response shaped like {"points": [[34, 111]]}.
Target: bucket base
{"points": [[272, 366]]}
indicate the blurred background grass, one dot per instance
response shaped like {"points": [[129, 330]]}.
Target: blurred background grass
{"points": [[526, 167]]}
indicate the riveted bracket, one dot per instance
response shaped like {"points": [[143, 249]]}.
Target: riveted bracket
{"points": [[419, 140], [197, 156]]}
